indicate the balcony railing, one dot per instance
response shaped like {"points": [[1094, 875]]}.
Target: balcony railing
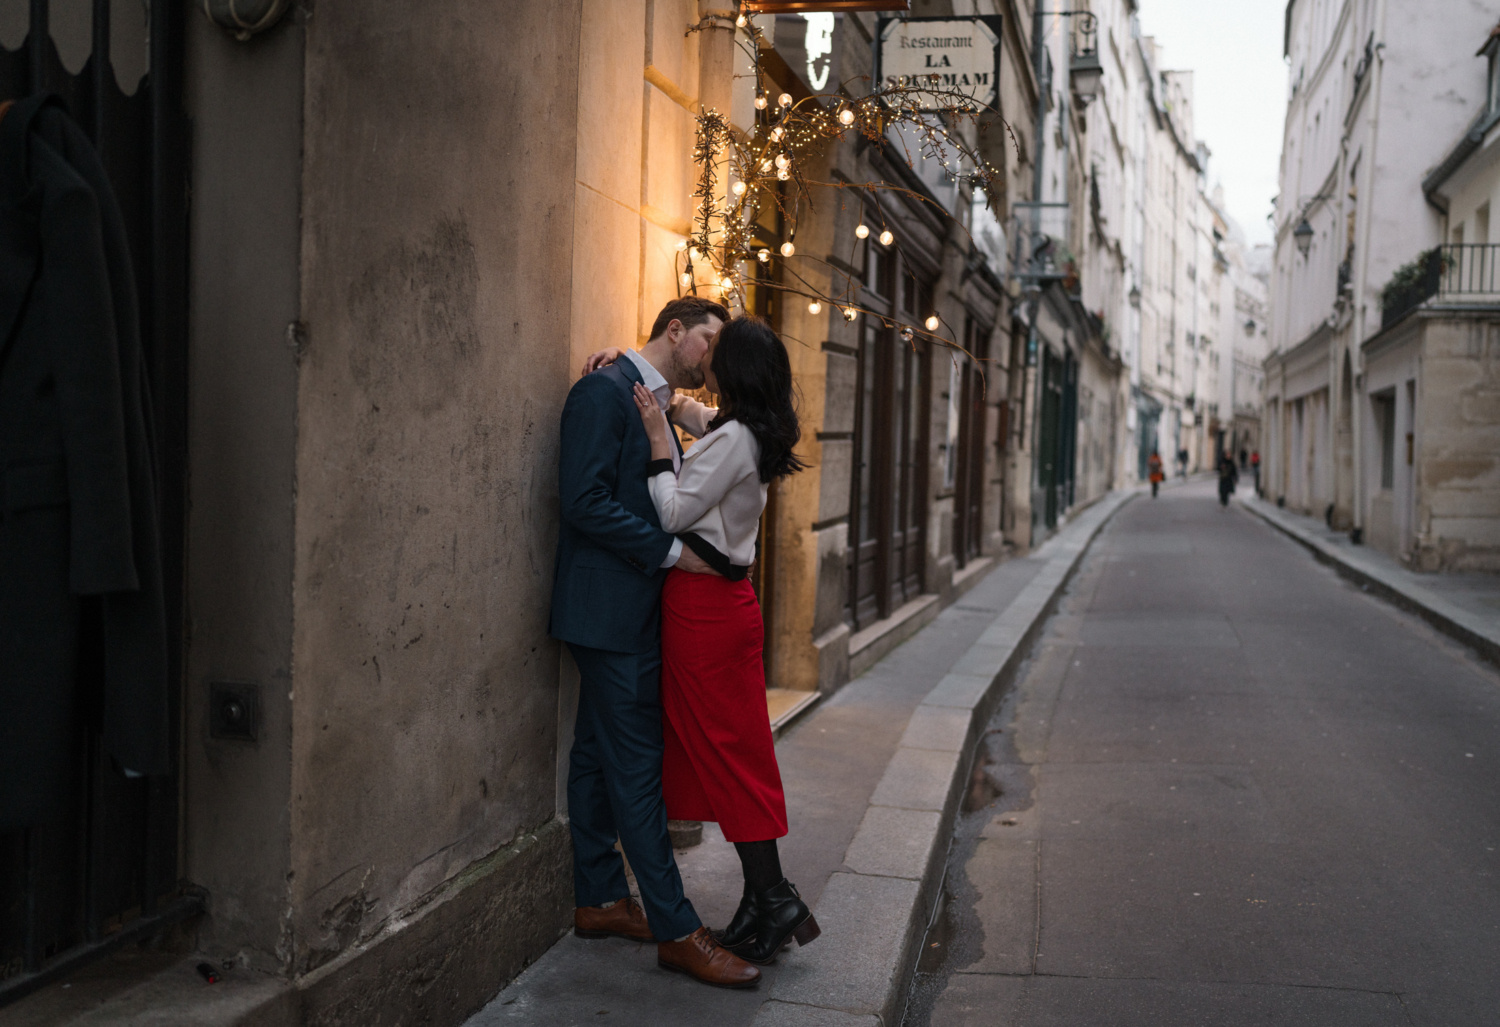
{"points": [[1470, 270], [1459, 272]]}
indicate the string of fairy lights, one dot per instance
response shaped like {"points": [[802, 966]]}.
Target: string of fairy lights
{"points": [[766, 170]]}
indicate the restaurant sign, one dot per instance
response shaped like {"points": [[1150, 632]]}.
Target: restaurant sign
{"points": [[949, 54]]}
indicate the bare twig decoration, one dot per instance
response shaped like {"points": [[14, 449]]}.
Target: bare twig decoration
{"points": [[765, 172]]}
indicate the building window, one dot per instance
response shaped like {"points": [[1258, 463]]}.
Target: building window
{"points": [[888, 505], [1494, 97], [1385, 421]]}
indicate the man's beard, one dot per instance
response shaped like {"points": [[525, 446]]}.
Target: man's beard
{"points": [[689, 376]]}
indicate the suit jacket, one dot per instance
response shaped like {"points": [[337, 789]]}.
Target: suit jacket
{"points": [[77, 475], [607, 589]]}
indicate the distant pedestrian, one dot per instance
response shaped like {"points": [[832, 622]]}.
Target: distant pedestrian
{"points": [[1243, 457], [1182, 463], [1153, 463], [1255, 468], [1229, 478]]}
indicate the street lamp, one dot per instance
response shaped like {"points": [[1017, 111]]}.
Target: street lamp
{"points": [[1250, 327], [1084, 70], [1303, 236], [1135, 296]]}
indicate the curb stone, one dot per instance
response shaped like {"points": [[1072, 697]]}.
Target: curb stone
{"points": [[875, 911], [1478, 632]]}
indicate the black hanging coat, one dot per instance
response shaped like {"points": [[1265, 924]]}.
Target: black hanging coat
{"points": [[82, 623]]}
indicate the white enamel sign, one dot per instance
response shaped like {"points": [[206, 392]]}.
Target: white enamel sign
{"points": [[958, 54]]}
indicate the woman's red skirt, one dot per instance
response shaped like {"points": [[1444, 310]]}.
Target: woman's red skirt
{"points": [[719, 762]]}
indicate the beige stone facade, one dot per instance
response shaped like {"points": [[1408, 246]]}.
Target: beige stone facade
{"points": [[409, 227]]}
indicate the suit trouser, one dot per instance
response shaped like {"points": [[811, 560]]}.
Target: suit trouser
{"points": [[614, 789]]}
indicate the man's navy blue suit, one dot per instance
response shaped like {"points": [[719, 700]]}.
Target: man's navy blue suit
{"points": [[606, 604]]}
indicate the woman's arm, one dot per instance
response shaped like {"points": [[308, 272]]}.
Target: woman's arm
{"points": [[706, 478], [602, 358], [690, 415], [656, 424]]}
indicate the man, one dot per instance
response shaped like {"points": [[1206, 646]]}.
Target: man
{"points": [[612, 557], [1229, 478]]}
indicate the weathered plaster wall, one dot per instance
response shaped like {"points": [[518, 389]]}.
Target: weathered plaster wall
{"points": [[438, 220], [1458, 431], [245, 101]]}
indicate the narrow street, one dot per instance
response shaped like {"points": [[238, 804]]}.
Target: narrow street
{"points": [[1227, 789]]}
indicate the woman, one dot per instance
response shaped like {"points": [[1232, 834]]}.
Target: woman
{"points": [[719, 762], [1153, 467]]}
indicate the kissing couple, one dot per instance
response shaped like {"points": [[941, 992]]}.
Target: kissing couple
{"points": [[652, 598]]}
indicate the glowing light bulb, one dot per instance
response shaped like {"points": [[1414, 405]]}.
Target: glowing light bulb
{"points": [[846, 117], [727, 284], [777, 134], [886, 238], [784, 174], [933, 323], [782, 160], [787, 249], [681, 245], [861, 231], [785, 99], [738, 188], [687, 279], [764, 256], [741, 22], [765, 167], [695, 254], [815, 307], [760, 101], [850, 313]]}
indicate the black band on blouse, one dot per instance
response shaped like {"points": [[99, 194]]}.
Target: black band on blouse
{"points": [[711, 556], [656, 467]]}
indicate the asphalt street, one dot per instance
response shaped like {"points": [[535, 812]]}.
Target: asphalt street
{"points": [[1228, 788]]}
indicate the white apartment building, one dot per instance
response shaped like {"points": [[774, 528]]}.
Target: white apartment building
{"points": [[1239, 311], [1170, 249], [1378, 92]]}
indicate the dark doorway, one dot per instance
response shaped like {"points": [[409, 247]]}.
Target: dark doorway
{"points": [[968, 483], [1049, 439], [105, 868], [888, 509]]}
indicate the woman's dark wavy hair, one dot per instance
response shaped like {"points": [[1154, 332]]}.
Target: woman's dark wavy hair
{"points": [[755, 388]]}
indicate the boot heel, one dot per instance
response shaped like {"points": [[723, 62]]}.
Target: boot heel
{"points": [[807, 931]]}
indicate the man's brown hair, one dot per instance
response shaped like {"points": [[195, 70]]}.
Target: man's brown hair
{"points": [[692, 311]]}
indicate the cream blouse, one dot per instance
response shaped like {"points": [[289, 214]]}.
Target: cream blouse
{"points": [[718, 493]]}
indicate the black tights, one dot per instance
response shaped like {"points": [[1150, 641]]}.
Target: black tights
{"points": [[761, 863]]}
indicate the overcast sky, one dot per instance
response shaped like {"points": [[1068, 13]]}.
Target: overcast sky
{"points": [[1239, 92]]}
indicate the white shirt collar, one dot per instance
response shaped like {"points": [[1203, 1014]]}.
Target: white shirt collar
{"points": [[651, 378]]}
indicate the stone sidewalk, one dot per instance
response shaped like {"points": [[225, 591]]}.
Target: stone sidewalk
{"points": [[873, 776], [1463, 605]]}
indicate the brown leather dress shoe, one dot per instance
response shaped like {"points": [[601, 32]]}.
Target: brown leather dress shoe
{"points": [[625, 919], [699, 956]]}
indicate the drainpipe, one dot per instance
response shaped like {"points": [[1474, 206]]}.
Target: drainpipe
{"points": [[716, 53], [1033, 364], [1357, 418]]}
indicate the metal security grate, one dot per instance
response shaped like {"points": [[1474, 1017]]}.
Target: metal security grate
{"points": [[104, 871]]}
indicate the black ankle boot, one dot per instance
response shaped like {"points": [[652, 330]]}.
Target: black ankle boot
{"points": [[779, 914], [742, 928]]}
